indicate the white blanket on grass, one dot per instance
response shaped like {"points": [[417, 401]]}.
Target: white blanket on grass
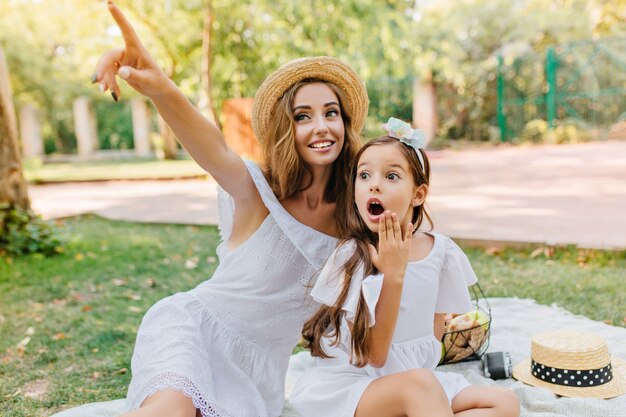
{"points": [[514, 321]]}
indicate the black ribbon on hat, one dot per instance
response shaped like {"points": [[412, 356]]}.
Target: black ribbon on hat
{"points": [[572, 378]]}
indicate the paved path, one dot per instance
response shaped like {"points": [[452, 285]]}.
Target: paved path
{"points": [[568, 194]]}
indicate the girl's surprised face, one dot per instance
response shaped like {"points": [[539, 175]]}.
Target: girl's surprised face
{"points": [[384, 182], [319, 129]]}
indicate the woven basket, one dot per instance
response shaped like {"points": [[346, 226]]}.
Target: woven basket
{"points": [[470, 343]]}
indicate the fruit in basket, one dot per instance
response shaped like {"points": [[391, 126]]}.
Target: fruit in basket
{"points": [[465, 335], [468, 320], [476, 337]]}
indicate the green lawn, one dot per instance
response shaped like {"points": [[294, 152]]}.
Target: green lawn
{"points": [[68, 323], [112, 170]]}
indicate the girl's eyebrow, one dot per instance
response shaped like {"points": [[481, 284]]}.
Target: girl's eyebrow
{"points": [[392, 165], [397, 166], [306, 106]]}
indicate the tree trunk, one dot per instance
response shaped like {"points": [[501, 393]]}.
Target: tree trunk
{"points": [[206, 103], [170, 144], [12, 184]]}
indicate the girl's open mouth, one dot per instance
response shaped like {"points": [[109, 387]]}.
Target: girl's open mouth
{"points": [[375, 207]]}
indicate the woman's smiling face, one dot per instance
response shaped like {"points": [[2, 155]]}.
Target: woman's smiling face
{"points": [[319, 128]]}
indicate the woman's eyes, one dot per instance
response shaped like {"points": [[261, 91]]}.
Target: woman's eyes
{"points": [[303, 116]]}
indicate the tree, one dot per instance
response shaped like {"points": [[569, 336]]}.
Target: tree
{"points": [[13, 191]]}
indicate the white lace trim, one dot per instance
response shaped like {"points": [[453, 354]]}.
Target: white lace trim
{"points": [[176, 382]]}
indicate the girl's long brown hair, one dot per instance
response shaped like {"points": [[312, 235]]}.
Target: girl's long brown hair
{"points": [[326, 322], [283, 167]]}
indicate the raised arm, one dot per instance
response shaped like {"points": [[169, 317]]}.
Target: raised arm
{"points": [[204, 142], [391, 260]]}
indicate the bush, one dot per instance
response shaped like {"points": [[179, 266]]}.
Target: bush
{"points": [[23, 232], [569, 131], [566, 131], [534, 131]]}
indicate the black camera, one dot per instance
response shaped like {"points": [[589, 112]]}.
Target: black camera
{"points": [[497, 365]]}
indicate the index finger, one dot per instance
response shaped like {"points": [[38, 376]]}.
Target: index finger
{"points": [[128, 32]]}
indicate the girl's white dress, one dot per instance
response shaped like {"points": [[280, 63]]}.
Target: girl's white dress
{"points": [[437, 283], [226, 343]]}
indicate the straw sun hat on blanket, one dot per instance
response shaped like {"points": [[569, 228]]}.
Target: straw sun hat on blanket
{"points": [[573, 364], [323, 68]]}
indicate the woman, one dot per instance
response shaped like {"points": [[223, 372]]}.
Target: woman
{"points": [[222, 349]]}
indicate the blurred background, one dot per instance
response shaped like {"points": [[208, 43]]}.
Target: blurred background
{"points": [[486, 80], [470, 70]]}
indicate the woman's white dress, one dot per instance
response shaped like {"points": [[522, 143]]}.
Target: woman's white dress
{"points": [[437, 283], [226, 343]]}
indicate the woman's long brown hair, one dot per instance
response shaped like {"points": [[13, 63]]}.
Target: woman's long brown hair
{"points": [[284, 169], [326, 322]]}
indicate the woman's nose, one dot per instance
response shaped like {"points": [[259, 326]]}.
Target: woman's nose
{"points": [[321, 127]]}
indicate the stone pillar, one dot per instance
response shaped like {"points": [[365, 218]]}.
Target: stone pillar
{"points": [[141, 126], [425, 105], [85, 127], [30, 131]]}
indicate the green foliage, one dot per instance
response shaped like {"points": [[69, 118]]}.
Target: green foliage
{"points": [[569, 131], [53, 46], [115, 125], [566, 131], [22, 232], [535, 131]]}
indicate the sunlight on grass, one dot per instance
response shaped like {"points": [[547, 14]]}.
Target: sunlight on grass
{"points": [[112, 170]]}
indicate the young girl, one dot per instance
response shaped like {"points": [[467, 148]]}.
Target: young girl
{"points": [[384, 291], [222, 349]]}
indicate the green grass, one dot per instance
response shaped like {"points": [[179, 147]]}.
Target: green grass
{"points": [[81, 309], [84, 306], [112, 170]]}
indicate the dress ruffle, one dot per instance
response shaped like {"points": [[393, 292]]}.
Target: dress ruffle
{"points": [[424, 352], [236, 356], [314, 245]]}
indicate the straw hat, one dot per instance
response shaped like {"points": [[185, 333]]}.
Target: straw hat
{"points": [[573, 364], [324, 68]]}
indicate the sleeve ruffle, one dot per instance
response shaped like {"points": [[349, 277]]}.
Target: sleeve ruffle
{"points": [[456, 275], [370, 287], [328, 285], [330, 282]]}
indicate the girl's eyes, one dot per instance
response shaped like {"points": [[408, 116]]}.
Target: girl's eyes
{"points": [[392, 176]]}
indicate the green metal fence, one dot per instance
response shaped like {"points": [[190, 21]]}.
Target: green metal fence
{"points": [[581, 82]]}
